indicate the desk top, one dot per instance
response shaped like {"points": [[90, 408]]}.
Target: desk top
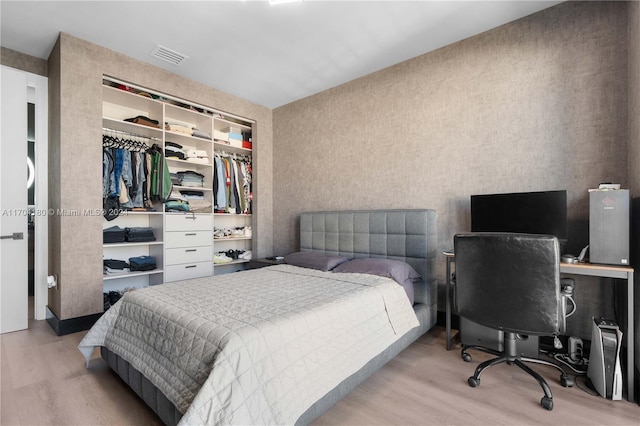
{"points": [[611, 271], [594, 269]]}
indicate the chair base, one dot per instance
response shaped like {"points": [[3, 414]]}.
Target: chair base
{"points": [[466, 356], [509, 358]]}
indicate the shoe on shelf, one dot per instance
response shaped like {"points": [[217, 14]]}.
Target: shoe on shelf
{"points": [[221, 258], [247, 232], [233, 253], [246, 255], [237, 232]]}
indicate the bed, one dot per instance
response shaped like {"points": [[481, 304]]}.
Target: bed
{"points": [[228, 350]]}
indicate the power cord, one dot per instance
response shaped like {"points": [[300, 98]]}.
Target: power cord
{"points": [[579, 367]]}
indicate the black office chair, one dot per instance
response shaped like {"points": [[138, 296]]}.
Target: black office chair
{"points": [[511, 282]]}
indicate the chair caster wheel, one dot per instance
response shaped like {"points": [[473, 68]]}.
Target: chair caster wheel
{"points": [[547, 403], [473, 382], [566, 381], [466, 357]]}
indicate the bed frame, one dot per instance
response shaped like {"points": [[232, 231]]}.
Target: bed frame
{"points": [[407, 235]]}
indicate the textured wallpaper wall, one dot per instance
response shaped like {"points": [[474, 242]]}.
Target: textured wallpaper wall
{"points": [[76, 68], [21, 61], [537, 104], [634, 99]]}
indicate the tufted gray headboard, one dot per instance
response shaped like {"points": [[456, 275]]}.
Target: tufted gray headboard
{"points": [[408, 235]]}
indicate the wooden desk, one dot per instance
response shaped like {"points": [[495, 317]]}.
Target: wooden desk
{"points": [[592, 270]]}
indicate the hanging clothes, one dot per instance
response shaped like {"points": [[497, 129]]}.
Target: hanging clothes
{"points": [[161, 184], [125, 169], [232, 183]]}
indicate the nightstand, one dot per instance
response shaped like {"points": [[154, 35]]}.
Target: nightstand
{"points": [[261, 263]]}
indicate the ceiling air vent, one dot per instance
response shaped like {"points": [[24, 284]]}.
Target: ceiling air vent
{"points": [[168, 55]]}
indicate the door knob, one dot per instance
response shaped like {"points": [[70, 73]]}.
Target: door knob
{"points": [[14, 236]]}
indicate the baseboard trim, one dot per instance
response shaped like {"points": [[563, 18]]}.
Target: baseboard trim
{"points": [[71, 325]]}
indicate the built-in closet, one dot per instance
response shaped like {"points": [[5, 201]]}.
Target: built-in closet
{"points": [[179, 173]]}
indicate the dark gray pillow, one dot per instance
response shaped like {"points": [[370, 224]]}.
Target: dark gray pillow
{"points": [[313, 260], [400, 271]]}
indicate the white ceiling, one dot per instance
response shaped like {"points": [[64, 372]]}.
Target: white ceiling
{"points": [[269, 55]]}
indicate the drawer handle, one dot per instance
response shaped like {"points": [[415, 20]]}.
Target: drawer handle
{"points": [[190, 235], [190, 266], [189, 250]]}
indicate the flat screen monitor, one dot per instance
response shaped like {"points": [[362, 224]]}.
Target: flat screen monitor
{"points": [[543, 212]]}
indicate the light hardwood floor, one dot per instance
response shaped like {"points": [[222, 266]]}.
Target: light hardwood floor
{"points": [[44, 382]]}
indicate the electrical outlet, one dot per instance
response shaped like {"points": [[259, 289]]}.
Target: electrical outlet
{"points": [[575, 348]]}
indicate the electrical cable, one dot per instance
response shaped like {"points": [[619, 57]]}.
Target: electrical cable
{"points": [[575, 307], [574, 366]]}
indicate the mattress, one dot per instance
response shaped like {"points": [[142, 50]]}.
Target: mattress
{"points": [[257, 347]]}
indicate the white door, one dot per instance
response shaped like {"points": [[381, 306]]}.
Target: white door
{"points": [[13, 201]]}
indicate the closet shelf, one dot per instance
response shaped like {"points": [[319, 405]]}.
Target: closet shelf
{"points": [[138, 213], [137, 129], [189, 163], [146, 243], [234, 262], [130, 274], [192, 188], [223, 146]]}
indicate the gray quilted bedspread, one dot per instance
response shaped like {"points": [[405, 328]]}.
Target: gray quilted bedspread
{"points": [[256, 347]]}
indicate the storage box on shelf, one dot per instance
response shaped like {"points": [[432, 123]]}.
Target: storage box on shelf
{"points": [[232, 135]]}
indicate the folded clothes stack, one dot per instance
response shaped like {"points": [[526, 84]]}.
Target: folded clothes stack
{"points": [[200, 206], [191, 179], [145, 121], [192, 195], [139, 234], [177, 206], [199, 156], [200, 134], [177, 202], [175, 179], [178, 127], [142, 263], [114, 266], [114, 234], [174, 150]]}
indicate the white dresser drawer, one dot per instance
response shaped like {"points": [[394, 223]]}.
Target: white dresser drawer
{"points": [[188, 270], [189, 255], [189, 222], [188, 239]]}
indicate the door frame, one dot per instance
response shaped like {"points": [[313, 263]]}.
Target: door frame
{"points": [[38, 94]]}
